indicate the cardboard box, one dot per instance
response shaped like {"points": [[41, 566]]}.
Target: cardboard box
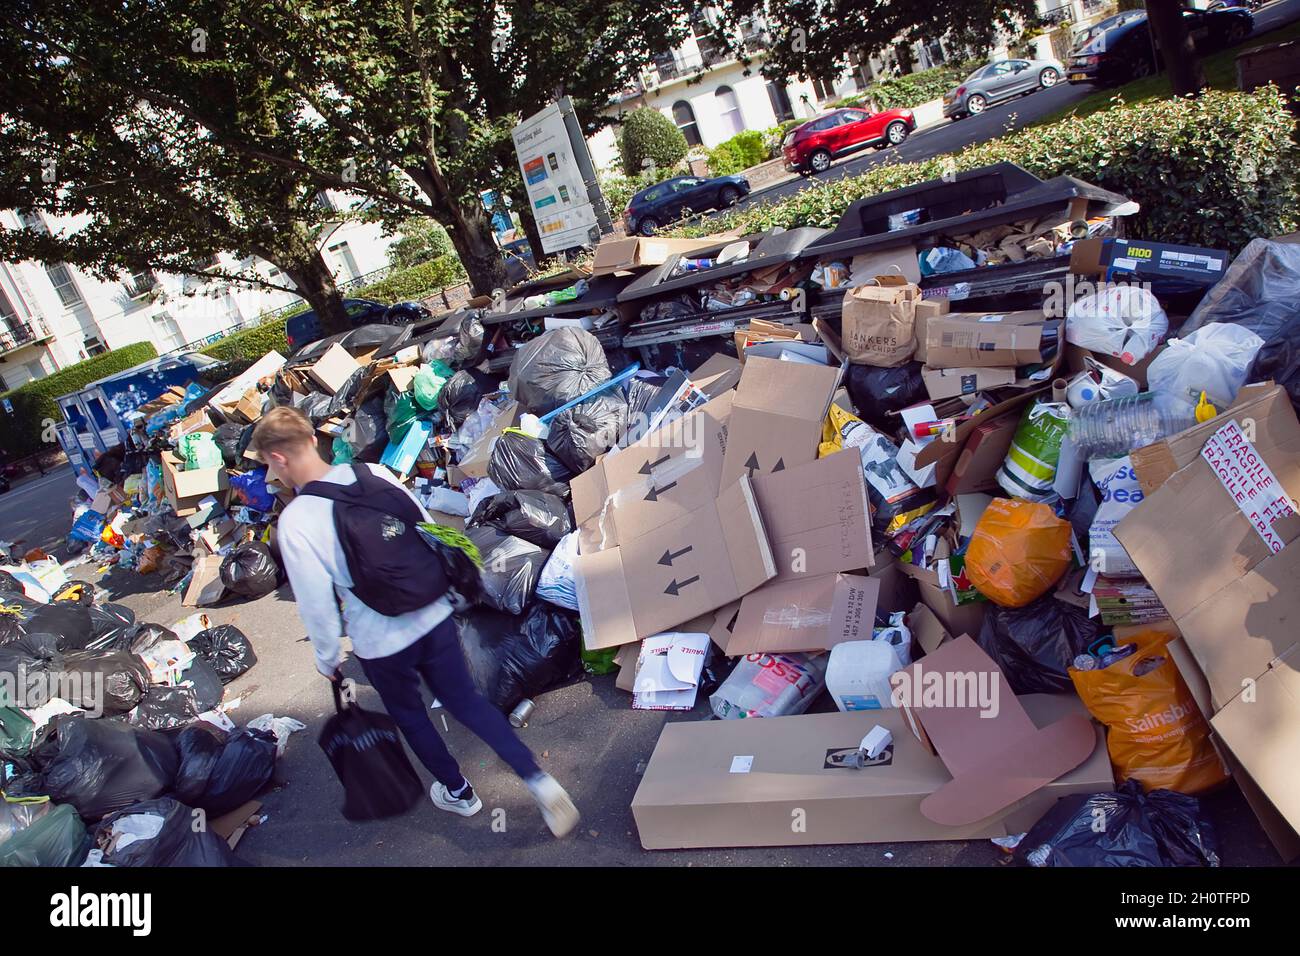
{"points": [[1129, 259], [958, 703], [402, 376], [927, 309], [333, 369], [719, 373], [776, 416], [268, 364], [626, 255], [196, 421], [185, 489], [696, 793], [950, 382], [976, 467], [928, 632], [897, 591], [1232, 596], [474, 463], [944, 454], [667, 474], [817, 517], [250, 405], [205, 588], [984, 339], [1072, 363], [896, 260], [690, 565], [805, 614]]}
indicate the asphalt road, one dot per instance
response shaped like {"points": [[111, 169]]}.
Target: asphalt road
{"points": [[1013, 114], [586, 734], [37, 512]]}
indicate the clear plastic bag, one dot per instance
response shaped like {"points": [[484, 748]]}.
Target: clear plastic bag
{"points": [[770, 685]]}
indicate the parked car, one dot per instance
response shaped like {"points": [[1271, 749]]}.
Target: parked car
{"points": [[672, 199], [809, 148], [1119, 49], [305, 326], [997, 81], [520, 263]]}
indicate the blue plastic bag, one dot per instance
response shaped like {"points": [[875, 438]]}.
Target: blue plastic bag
{"points": [[251, 489], [88, 526]]}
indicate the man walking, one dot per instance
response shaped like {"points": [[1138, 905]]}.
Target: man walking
{"points": [[343, 542]]}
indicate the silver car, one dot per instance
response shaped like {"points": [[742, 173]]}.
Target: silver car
{"points": [[1000, 80]]}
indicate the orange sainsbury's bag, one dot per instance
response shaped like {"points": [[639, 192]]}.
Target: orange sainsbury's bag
{"points": [[1018, 551], [1156, 733]]}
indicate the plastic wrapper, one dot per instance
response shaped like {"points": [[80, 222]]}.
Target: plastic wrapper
{"points": [[250, 489], [88, 526], [1035, 645], [1156, 733], [895, 498], [1018, 552], [535, 516], [365, 749], [164, 835], [428, 383], [522, 463], [99, 766], [878, 391], [556, 583], [511, 657], [1260, 291], [199, 449], [1123, 321], [227, 649], [1120, 493], [770, 685], [1029, 469], [557, 367], [1214, 359], [249, 570], [579, 435], [18, 815], [510, 568], [1160, 828], [56, 838]]}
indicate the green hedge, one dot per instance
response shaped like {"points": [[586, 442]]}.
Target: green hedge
{"points": [[415, 283], [902, 92], [738, 153], [252, 343], [1217, 170], [23, 432], [618, 190], [649, 134]]}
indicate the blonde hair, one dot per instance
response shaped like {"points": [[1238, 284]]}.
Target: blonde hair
{"points": [[282, 426]]}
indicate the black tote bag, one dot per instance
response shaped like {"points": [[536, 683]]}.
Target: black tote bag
{"points": [[365, 749]]}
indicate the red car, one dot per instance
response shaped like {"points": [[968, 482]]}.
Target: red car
{"points": [[811, 147]]}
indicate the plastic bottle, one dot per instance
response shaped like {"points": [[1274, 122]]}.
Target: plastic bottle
{"points": [[1116, 426]]}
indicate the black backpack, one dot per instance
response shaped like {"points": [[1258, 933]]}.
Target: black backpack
{"points": [[393, 571]]}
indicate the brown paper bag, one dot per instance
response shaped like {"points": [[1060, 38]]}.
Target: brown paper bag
{"points": [[879, 322]]}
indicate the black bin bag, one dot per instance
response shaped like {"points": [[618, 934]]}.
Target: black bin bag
{"points": [[534, 516], [877, 391], [365, 749], [249, 570], [1122, 828], [115, 681], [241, 771], [166, 708], [179, 842], [100, 766], [557, 367], [510, 568], [520, 462], [1035, 645], [227, 649], [513, 656], [198, 748], [579, 435]]}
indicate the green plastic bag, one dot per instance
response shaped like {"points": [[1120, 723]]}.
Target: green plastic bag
{"points": [[599, 662], [16, 731], [342, 451], [200, 450], [428, 383], [1029, 470], [401, 411], [57, 838]]}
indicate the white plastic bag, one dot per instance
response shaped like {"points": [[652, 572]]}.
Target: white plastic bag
{"points": [[1124, 321], [1214, 359], [1120, 493], [770, 685], [556, 582]]}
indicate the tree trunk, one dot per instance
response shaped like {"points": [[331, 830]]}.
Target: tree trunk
{"points": [[529, 222], [1177, 51], [477, 248], [315, 283]]}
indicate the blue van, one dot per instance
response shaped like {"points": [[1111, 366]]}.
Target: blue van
{"points": [[304, 328]]}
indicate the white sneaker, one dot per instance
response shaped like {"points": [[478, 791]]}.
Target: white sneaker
{"points": [[465, 806], [556, 805]]}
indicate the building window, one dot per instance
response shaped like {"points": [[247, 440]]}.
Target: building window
{"points": [[324, 203], [31, 219], [343, 259], [782, 108], [36, 369], [168, 331], [824, 87], [684, 117], [729, 111], [7, 312], [61, 277], [140, 283], [94, 346]]}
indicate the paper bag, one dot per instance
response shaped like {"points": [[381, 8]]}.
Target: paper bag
{"points": [[879, 322]]}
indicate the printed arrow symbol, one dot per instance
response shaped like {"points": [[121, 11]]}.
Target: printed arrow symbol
{"points": [[645, 469], [780, 465], [670, 554], [752, 463], [676, 585], [653, 493]]}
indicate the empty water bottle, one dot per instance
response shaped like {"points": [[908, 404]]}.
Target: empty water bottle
{"points": [[1116, 426]]}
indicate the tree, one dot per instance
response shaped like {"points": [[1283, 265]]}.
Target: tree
{"points": [[1177, 51], [78, 139], [650, 140], [422, 240]]}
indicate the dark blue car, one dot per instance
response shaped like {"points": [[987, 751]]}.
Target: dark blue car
{"points": [[666, 202], [304, 327]]}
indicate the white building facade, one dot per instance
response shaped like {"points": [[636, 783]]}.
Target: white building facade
{"points": [[53, 315]]}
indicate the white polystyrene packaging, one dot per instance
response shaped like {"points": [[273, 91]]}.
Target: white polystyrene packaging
{"points": [[1124, 321], [1214, 359]]}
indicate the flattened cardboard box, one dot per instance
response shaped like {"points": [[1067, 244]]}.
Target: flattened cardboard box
{"points": [[694, 793], [805, 614], [984, 339], [965, 380], [776, 416], [474, 463], [669, 473], [333, 369], [625, 255], [693, 564], [817, 517], [1235, 602]]}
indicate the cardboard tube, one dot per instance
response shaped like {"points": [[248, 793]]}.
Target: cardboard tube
{"points": [[1058, 389]]}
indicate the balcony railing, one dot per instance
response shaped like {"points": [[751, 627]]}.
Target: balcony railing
{"points": [[16, 335], [141, 284]]}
